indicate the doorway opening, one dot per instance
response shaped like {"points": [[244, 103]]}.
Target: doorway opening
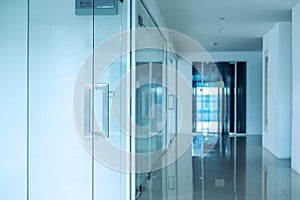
{"points": [[233, 95]]}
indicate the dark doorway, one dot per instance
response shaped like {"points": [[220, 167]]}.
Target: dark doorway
{"points": [[234, 77], [241, 97], [233, 74], [227, 71]]}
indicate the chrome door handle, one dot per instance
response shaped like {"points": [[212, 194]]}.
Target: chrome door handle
{"points": [[96, 98]]}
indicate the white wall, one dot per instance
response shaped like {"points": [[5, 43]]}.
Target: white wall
{"points": [[13, 23], [296, 89], [277, 44], [254, 84], [155, 12]]}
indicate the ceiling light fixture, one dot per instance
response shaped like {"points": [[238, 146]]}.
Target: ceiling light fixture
{"points": [[220, 30], [214, 44]]}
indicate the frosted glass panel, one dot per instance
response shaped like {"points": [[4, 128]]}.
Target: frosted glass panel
{"points": [[13, 99], [60, 167], [64, 159], [109, 179]]}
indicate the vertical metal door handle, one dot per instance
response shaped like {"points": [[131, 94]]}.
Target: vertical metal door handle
{"points": [[91, 126]]}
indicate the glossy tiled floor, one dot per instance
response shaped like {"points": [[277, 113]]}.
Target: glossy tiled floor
{"points": [[237, 168]]}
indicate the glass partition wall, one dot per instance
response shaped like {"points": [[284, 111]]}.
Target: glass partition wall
{"points": [[91, 109], [208, 98], [82, 83], [151, 106], [72, 89], [13, 88]]}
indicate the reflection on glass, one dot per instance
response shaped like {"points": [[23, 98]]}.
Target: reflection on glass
{"points": [[208, 100], [153, 116], [208, 113]]}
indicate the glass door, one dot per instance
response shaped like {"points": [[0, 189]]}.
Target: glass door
{"points": [[111, 105], [172, 179], [13, 145], [150, 99], [76, 130]]}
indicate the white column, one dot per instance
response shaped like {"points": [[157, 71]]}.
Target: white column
{"points": [[277, 136]]}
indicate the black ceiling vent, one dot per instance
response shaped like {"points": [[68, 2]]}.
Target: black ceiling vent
{"points": [[102, 7]]}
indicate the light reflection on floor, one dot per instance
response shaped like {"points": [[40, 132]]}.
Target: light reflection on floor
{"points": [[203, 142], [235, 168]]}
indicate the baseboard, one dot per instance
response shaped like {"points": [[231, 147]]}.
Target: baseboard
{"points": [[279, 158]]}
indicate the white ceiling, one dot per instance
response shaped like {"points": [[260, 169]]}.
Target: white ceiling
{"points": [[246, 21]]}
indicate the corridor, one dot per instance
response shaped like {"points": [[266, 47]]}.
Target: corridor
{"points": [[237, 168]]}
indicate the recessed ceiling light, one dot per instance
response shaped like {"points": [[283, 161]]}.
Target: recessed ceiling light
{"points": [[220, 29], [214, 44]]}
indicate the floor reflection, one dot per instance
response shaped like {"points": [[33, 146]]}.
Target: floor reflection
{"points": [[234, 168], [215, 174]]}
